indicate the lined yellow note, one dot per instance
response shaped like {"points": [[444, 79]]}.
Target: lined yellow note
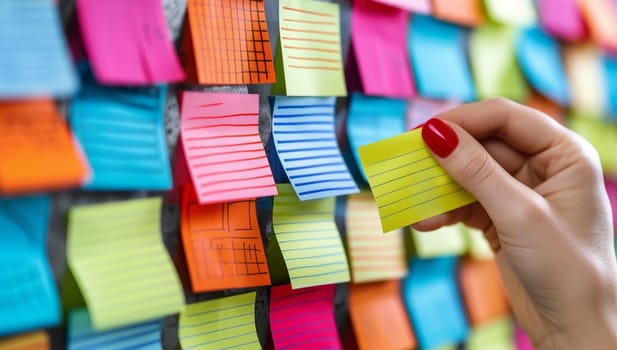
{"points": [[119, 261], [309, 239], [224, 323], [407, 183]]}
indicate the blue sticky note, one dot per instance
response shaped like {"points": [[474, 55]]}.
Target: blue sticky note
{"points": [[34, 58], [539, 57], [81, 335], [610, 71], [121, 132], [28, 295], [437, 52], [432, 299], [371, 119]]}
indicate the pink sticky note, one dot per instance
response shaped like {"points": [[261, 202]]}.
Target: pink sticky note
{"points": [[303, 318], [420, 6], [562, 19], [521, 339], [379, 39], [223, 149], [421, 110], [128, 42], [611, 189]]}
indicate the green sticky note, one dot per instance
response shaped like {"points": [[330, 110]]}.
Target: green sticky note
{"points": [[497, 335], [512, 12], [493, 63], [601, 134], [479, 248], [120, 264], [448, 240]]}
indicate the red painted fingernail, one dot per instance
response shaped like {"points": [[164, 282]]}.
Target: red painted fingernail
{"points": [[439, 137]]}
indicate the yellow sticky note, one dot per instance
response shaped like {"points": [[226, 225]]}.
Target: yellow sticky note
{"points": [[120, 264], [583, 65], [407, 183], [309, 240], [511, 12], [445, 241], [223, 323], [478, 246], [496, 335], [601, 134]]}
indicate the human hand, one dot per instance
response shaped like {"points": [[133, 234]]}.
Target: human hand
{"points": [[543, 207]]}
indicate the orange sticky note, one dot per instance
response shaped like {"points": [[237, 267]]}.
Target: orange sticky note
{"points": [[37, 150], [482, 291], [222, 243], [38, 340], [544, 105], [466, 12], [228, 43], [379, 317], [601, 19]]}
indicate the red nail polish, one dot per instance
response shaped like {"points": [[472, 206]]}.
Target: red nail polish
{"points": [[439, 137]]}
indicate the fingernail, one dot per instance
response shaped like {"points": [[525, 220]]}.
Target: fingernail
{"points": [[439, 137]]}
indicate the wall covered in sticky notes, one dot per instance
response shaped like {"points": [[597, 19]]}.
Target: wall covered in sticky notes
{"points": [[207, 174]]}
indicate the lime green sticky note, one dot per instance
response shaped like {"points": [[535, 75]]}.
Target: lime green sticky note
{"points": [[445, 347], [601, 134], [493, 63], [448, 240], [309, 240], [512, 12], [223, 323], [118, 259], [407, 183], [497, 335], [478, 246], [310, 50]]}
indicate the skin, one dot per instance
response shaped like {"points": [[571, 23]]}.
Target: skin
{"points": [[543, 207]]}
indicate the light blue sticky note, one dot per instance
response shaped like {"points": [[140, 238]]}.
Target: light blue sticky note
{"points": [[34, 58], [304, 138], [28, 295], [433, 302], [610, 71], [81, 335], [121, 132], [540, 60], [437, 52], [371, 119]]}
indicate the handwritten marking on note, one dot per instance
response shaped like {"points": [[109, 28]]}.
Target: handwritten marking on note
{"points": [[303, 319], [309, 239], [225, 155], [303, 133], [223, 323], [117, 256], [407, 183], [82, 335], [38, 340]]}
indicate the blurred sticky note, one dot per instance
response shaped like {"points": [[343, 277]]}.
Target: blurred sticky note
{"points": [[420, 6], [478, 247], [121, 132], [437, 52], [225, 323], [38, 340], [562, 19], [28, 297], [601, 19], [433, 303], [545, 105], [309, 239], [224, 152], [378, 39], [373, 256], [229, 42], [379, 317], [466, 12], [420, 110], [34, 59], [521, 339], [515, 13], [407, 183], [611, 189], [117, 255], [309, 49], [38, 151], [82, 335], [483, 291], [371, 119], [128, 42], [303, 319], [493, 63], [610, 72], [539, 57], [447, 240], [303, 133], [496, 335], [222, 243], [583, 64], [601, 134]]}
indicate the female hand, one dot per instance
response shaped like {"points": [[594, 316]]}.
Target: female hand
{"points": [[543, 207]]}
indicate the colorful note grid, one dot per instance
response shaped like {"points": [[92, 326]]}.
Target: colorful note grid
{"points": [[373, 256], [224, 323], [117, 256], [309, 239], [303, 319], [230, 42], [222, 243], [310, 49], [303, 133], [407, 183], [224, 152], [38, 340]]}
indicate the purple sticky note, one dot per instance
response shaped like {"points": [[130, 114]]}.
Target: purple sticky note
{"points": [[562, 19]]}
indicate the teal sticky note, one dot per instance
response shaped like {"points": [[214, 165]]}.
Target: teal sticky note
{"points": [[437, 52], [540, 59], [28, 296], [610, 71]]}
